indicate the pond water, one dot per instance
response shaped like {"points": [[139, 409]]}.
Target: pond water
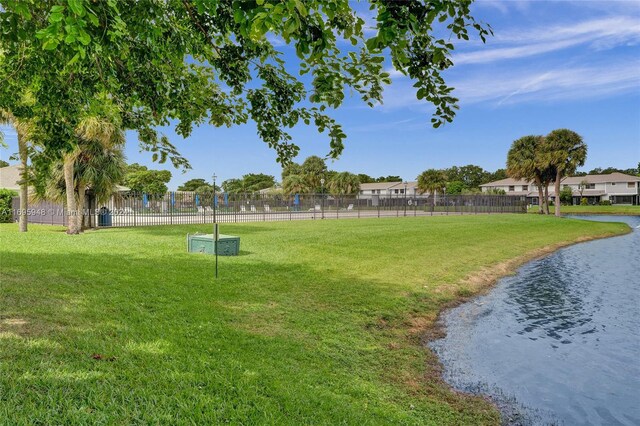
{"points": [[557, 343]]}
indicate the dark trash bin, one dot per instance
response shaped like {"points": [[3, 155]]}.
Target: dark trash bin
{"points": [[104, 217]]}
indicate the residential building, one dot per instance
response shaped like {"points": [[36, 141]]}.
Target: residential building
{"points": [[618, 188], [389, 189], [9, 178]]}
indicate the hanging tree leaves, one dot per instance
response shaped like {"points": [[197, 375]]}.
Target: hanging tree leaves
{"points": [[214, 61]]}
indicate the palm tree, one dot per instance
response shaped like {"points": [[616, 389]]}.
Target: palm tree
{"points": [[314, 169], [523, 163], [565, 151], [582, 186], [24, 130], [295, 184], [548, 176], [96, 163], [97, 169], [344, 183], [432, 181]]}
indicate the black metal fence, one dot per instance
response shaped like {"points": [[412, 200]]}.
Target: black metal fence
{"points": [[129, 209]]}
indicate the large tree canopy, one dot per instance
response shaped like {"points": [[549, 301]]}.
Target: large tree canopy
{"points": [[563, 150], [203, 61], [251, 182], [142, 180]]}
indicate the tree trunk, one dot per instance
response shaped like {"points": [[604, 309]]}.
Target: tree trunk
{"points": [[88, 217], [23, 219], [558, 177], [540, 197], [540, 200], [546, 198], [81, 201], [72, 210]]}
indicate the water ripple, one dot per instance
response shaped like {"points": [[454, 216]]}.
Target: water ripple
{"points": [[558, 342]]}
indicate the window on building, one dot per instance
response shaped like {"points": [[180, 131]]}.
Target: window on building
{"points": [[402, 191], [525, 187], [395, 191], [613, 183], [631, 184], [512, 188], [590, 186]]}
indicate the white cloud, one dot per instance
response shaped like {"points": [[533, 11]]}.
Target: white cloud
{"points": [[556, 74], [508, 86], [603, 33], [275, 41], [494, 4], [559, 84], [408, 123]]}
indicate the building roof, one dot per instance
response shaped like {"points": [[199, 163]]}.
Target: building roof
{"points": [[506, 182], [387, 185], [9, 177], [611, 177], [410, 185], [378, 185]]}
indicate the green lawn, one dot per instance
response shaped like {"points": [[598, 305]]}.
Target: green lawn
{"points": [[616, 209], [315, 322]]}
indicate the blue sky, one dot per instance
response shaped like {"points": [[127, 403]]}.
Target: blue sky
{"points": [[573, 64]]}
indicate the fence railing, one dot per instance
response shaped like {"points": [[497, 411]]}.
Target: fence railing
{"points": [[130, 209]]}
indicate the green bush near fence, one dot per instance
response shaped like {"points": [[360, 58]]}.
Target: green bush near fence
{"points": [[6, 196]]}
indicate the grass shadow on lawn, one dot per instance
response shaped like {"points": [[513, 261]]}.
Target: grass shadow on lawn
{"points": [[174, 230], [267, 342]]}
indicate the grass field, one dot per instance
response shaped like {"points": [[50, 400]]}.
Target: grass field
{"points": [[616, 209], [315, 322]]}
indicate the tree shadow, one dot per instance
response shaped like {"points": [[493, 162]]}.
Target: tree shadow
{"points": [[153, 315]]}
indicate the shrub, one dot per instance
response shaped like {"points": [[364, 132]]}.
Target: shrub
{"points": [[566, 196], [584, 201], [605, 203], [5, 205]]}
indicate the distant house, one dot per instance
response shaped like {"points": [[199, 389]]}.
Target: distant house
{"points": [[9, 178], [618, 188], [277, 188], [389, 189]]}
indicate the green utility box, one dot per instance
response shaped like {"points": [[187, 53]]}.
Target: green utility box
{"points": [[228, 245]]}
